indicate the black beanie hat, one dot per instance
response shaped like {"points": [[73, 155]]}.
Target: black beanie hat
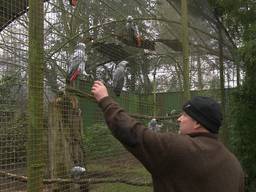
{"points": [[206, 111]]}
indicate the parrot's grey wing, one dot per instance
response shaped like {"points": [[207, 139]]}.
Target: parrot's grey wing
{"points": [[118, 81], [119, 86]]}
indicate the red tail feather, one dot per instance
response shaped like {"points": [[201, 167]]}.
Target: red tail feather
{"points": [[73, 2], [138, 41], [75, 75]]}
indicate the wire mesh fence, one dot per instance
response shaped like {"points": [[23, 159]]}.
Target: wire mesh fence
{"points": [[52, 134]]}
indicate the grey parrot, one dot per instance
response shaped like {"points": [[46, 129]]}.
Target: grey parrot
{"points": [[153, 125], [77, 172], [77, 60], [118, 77], [133, 31]]}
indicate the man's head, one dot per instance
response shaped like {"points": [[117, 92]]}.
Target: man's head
{"points": [[200, 112]]}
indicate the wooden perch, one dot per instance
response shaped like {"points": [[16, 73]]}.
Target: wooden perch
{"points": [[80, 93], [145, 44], [139, 116], [113, 51], [13, 176], [82, 181], [174, 44]]}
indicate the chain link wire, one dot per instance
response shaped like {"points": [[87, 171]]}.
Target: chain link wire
{"points": [[52, 134]]}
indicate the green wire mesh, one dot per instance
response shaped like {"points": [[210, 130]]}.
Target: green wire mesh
{"points": [[71, 131]]}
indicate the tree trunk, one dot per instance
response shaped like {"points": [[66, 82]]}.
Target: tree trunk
{"points": [[65, 143]]}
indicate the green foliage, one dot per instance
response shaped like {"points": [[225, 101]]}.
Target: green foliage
{"points": [[13, 141], [12, 121], [9, 86], [243, 135], [246, 113], [100, 142], [248, 52], [239, 19]]}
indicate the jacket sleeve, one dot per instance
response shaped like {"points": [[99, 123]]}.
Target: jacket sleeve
{"points": [[147, 146]]}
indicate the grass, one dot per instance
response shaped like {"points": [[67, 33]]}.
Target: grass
{"points": [[128, 169], [107, 158], [119, 188]]}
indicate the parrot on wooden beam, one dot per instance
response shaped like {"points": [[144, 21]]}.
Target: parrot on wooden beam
{"points": [[77, 60], [133, 31], [153, 125], [77, 172], [118, 77]]}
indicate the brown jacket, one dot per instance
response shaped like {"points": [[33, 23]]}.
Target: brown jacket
{"points": [[178, 163]]}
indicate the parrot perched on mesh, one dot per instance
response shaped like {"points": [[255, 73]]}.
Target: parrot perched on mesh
{"points": [[133, 31], [118, 77], [154, 126], [77, 60], [77, 172]]}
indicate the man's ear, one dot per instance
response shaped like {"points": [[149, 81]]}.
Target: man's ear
{"points": [[197, 125]]}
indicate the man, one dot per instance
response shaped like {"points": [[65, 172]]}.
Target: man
{"points": [[192, 161]]}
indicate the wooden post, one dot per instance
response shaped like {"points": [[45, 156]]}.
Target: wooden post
{"points": [[35, 147], [185, 47], [65, 142]]}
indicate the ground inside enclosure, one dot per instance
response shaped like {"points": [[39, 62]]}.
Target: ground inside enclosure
{"points": [[124, 167]]}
